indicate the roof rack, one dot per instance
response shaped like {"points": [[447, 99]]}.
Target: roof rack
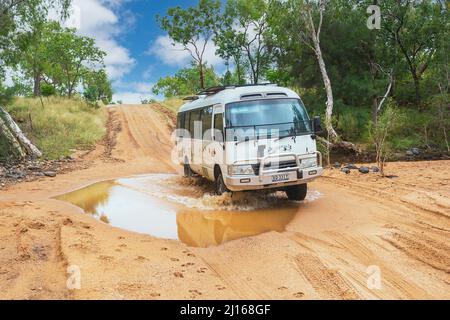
{"points": [[213, 90], [190, 98]]}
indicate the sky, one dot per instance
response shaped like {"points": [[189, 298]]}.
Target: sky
{"points": [[138, 51]]}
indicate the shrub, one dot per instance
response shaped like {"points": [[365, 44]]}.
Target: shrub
{"points": [[388, 121]]}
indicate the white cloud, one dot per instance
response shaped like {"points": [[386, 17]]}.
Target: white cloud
{"points": [[133, 92], [129, 97], [96, 19], [175, 55]]}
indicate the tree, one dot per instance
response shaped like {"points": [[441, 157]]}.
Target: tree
{"points": [[16, 18], [388, 121], [242, 36], [21, 16], [414, 27], [304, 18], [97, 87], [20, 144], [28, 52], [193, 28], [184, 82], [70, 57]]}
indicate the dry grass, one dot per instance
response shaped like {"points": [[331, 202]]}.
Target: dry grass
{"points": [[59, 126], [173, 103]]}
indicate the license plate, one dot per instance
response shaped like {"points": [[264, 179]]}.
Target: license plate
{"points": [[280, 177]]}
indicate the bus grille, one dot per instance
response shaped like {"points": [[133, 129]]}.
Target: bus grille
{"points": [[274, 165]]}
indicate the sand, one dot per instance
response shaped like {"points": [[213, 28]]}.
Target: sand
{"points": [[366, 237]]}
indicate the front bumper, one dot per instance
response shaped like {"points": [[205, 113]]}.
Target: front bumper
{"points": [[266, 178]]}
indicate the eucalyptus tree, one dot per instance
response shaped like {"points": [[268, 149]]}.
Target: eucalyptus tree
{"points": [[414, 27], [70, 57], [242, 36], [301, 21], [193, 28]]}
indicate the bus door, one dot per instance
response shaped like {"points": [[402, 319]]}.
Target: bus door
{"points": [[207, 116], [196, 140], [216, 147]]}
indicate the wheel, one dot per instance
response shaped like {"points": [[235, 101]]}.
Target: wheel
{"points": [[187, 170], [297, 192], [221, 188]]}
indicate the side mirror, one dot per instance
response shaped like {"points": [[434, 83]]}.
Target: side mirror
{"points": [[317, 126]]}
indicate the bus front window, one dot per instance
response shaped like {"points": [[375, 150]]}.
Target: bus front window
{"points": [[266, 118]]}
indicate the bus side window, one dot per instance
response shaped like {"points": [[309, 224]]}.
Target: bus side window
{"points": [[185, 124], [207, 123], [193, 118], [218, 127], [179, 120]]}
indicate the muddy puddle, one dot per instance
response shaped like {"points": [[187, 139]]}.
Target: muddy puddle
{"points": [[172, 207]]}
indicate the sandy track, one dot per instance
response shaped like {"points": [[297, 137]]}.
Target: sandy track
{"points": [[397, 226]]}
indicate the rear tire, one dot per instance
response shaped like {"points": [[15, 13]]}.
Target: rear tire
{"points": [[221, 188], [297, 192]]}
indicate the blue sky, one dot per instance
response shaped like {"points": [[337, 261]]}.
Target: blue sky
{"points": [[138, 51]]}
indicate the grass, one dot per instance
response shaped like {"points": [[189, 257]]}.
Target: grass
{"points": [[59, 127], [173, 103]]}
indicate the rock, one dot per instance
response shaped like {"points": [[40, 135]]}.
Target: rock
{"points": [[415, 151], [15, 175], [363, 170], [409, 153], [345, 170], [351, 166], [375, 169], [337, 165], [50, 174], [33, 168]]}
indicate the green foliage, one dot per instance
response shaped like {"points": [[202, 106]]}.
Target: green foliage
{"points": [[388, 122], [55, 59], [241, 38], [184, 82], [193, 28], [147, 101], [63, 124], [97, 87], [21, 24], [70, 58], [47, 90]]}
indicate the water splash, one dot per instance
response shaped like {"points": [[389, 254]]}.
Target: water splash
{"points": [[198, 193]]}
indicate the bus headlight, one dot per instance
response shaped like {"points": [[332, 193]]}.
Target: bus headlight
{"points": [[308, 163], [244, 169]]}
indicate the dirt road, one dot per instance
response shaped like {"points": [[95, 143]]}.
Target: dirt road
{"points": [[363, 238]]}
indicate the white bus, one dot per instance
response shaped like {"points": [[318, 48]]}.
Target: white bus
{"points": [[249, 137]]}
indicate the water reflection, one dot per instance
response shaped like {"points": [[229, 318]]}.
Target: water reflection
{"points": [[202, 229], [131, 209]]}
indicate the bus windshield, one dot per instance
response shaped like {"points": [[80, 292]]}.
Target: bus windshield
{"points": [[270, 118]]}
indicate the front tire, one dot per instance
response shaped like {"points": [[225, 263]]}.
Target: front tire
{"points": [[297, 192], [221, 188]]}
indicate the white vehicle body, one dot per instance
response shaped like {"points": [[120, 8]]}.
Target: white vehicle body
{"points": [[249, 154]]}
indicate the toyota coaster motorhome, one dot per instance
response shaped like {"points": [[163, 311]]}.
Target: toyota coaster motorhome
{"points": [[249, 137]]}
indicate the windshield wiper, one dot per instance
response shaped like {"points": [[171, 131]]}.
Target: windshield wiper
{"points": [[286, 136], [245, 140]]}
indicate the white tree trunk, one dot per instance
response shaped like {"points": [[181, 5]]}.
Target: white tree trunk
{"points": [[30, 148], [315, 37], [328, 90], [6, 134]]}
